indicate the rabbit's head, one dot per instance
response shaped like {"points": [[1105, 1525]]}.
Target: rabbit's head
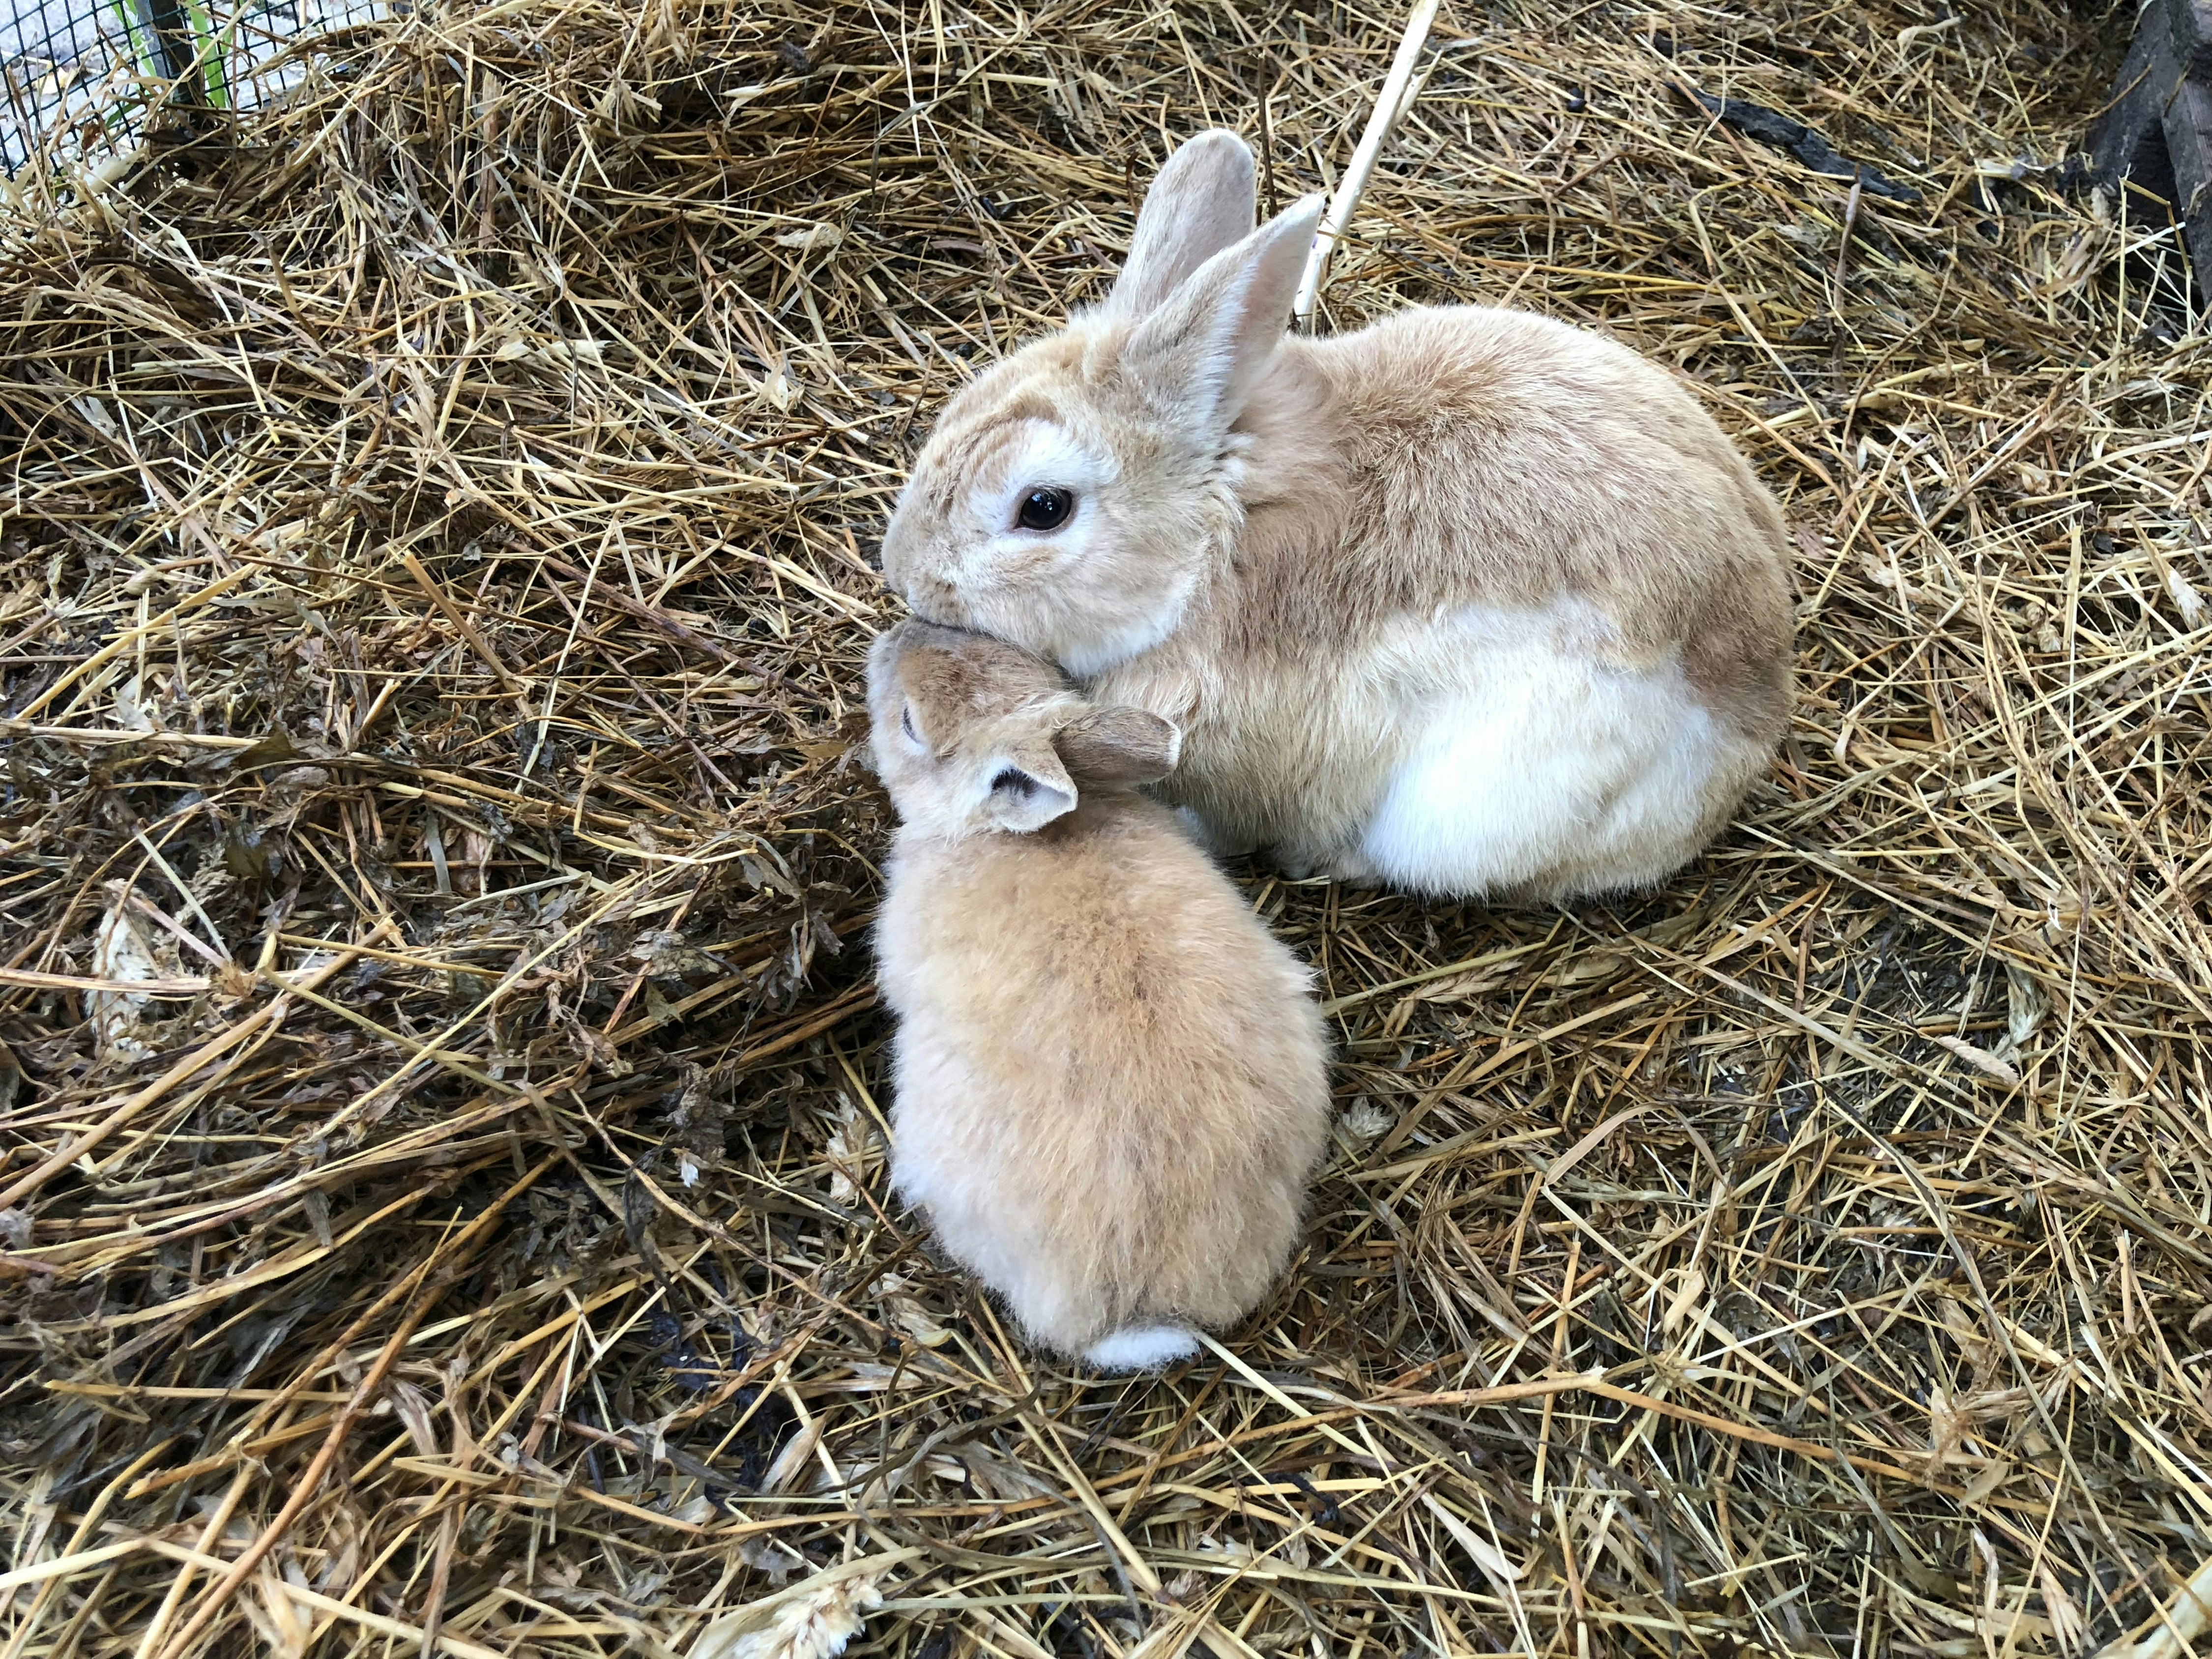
{"points": [[971, 734], [1070, 497]]}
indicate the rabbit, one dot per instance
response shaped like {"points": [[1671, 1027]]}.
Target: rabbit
{"points": [[1110, 1080], [1470, 602]]}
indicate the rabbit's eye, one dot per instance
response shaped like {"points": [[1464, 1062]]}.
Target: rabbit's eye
{"points": [[906, 725], [1045, 508]]}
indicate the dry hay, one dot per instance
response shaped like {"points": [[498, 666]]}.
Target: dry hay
{"points": [[445, 1192]]}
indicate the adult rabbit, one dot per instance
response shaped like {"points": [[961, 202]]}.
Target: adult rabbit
{"points": [[1468, 602]]}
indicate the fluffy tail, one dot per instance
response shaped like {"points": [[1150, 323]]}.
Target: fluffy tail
{"points": [[1141, 1348]]}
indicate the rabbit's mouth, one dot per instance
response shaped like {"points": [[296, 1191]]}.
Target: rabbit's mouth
{"points": [[934, 600]]}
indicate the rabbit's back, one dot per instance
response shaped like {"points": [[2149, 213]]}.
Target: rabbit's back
{"points": [[1502, 459], [1111, 1080]]}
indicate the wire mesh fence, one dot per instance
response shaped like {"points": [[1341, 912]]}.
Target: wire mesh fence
{"points": [[80, 78]]}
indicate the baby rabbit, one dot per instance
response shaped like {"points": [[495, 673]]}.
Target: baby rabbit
{"points": [[1111, 1081], [1469, 602]]}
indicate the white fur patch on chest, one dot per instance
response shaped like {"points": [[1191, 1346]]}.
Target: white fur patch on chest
{"points": [[1526, 755]]}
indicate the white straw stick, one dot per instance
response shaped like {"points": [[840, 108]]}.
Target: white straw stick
{"points": [[1388, 104], [2182, 1623]]}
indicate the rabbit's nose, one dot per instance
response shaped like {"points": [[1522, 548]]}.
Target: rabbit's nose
{"points": [[891, 557]]}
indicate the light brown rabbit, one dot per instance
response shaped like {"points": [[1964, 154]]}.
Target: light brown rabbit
{"points": [[1110, 1079], [1469, 602]]}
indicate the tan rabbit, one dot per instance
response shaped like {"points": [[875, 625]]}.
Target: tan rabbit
{"points": [[1110, 1079], [1469, 602]]}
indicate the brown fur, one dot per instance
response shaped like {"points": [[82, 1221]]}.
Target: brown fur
{"points": [[1111, 1080], [1278, 584]]}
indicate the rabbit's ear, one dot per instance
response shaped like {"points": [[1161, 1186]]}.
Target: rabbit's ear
{"points": [[1026, 787], [1118, 746], [1202, 202], [1200, 354]]}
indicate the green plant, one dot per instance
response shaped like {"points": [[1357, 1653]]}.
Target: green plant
{"points": [[179, 42]]}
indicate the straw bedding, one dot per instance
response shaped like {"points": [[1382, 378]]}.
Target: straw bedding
{"points": [[445, 1098]]}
